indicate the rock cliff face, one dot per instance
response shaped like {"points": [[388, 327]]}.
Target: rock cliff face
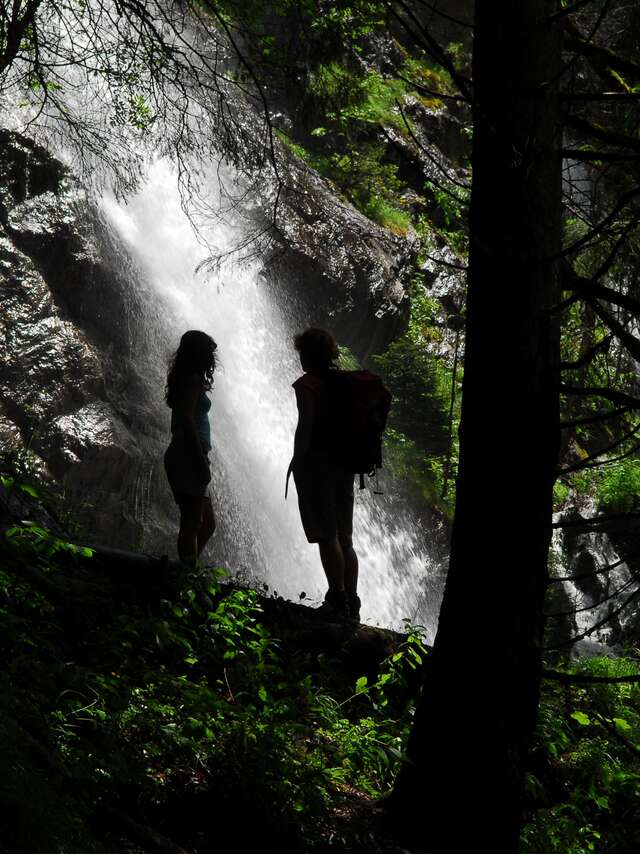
{"points": [[82, 350], [352, 274], [66, 375]]}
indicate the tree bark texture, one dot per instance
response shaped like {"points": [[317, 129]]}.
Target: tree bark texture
{"points": [[463, 788]]}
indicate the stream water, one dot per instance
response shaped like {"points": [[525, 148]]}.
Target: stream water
{"points": [[254, 415]]}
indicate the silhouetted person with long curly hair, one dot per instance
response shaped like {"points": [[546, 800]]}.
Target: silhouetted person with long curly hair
{"points": [[186, 460]]}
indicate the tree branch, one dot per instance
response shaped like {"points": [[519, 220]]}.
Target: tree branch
{"points": [[597, 604], [446, 17], [596, 626], [433, 160], [430, 46], [620, 139], [588, 356], [588, 289], [597, 391], [624, 200], [599, 96], [593, 419], [591, 155], [613, 729], [595, 520], [579, 575], [628, 340], [601, 58], [586, 679], [444, 263], [433, 92], [568, 10], [592, 461]]}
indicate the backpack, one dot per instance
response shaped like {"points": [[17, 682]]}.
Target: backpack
{"points": [[358, 408]]}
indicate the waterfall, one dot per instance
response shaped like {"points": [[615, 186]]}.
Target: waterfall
{"points": [[254, 415]]}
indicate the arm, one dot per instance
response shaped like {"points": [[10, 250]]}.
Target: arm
{"points": [[306, 411]]}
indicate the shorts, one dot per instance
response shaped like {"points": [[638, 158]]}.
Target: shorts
{"points": [[183, 476], [325, 500]]}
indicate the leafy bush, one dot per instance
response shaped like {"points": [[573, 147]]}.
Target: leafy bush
{"points": [[583, 794], [172, 704], [619, 485]]}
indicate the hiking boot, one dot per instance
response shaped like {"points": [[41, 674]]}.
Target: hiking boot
{"points": [[334, 608], [353, 607]]}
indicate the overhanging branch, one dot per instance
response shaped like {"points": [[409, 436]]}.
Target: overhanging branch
{"points": [[591, 155], [620, 139], [587, 357], [587, 679], [593, 419], [599, 391]]}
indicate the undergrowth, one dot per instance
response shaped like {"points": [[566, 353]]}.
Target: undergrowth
{"points": [[164, 708], [168, 707]]}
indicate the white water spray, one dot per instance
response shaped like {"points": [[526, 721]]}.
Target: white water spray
{"points": [[254, 416]]}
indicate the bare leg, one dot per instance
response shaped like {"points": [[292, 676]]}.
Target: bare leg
{"points": [[190, 521], [207, 525], [332, 562], [350, 564]]}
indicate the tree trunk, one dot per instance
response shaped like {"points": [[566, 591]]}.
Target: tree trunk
{"points": [[464, 786]]}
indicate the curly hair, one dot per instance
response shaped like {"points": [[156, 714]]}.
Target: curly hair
{"points": [[318, 348], [195, 355]]}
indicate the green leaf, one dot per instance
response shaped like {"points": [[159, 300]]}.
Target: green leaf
{"points": [[361, 685], [581, 718], [30, 490], [622, 724]]}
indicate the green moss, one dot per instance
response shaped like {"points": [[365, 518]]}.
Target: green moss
{"points": [[560, 494], [380, 210]]}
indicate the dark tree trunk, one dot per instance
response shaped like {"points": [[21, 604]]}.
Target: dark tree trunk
{"points": [[464, 787]]}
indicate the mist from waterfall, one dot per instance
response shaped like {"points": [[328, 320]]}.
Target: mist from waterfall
{"points": [[254, 415]]}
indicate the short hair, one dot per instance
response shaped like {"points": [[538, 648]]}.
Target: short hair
{"points": [[318, 347]]}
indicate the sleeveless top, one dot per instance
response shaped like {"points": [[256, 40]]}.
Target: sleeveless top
{"points": [[203, 427]]}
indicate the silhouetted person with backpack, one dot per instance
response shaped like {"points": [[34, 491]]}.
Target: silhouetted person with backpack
{"points": [[341, 414]]}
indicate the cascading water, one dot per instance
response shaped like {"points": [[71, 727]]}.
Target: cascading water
{"points": [[254, 416]]}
